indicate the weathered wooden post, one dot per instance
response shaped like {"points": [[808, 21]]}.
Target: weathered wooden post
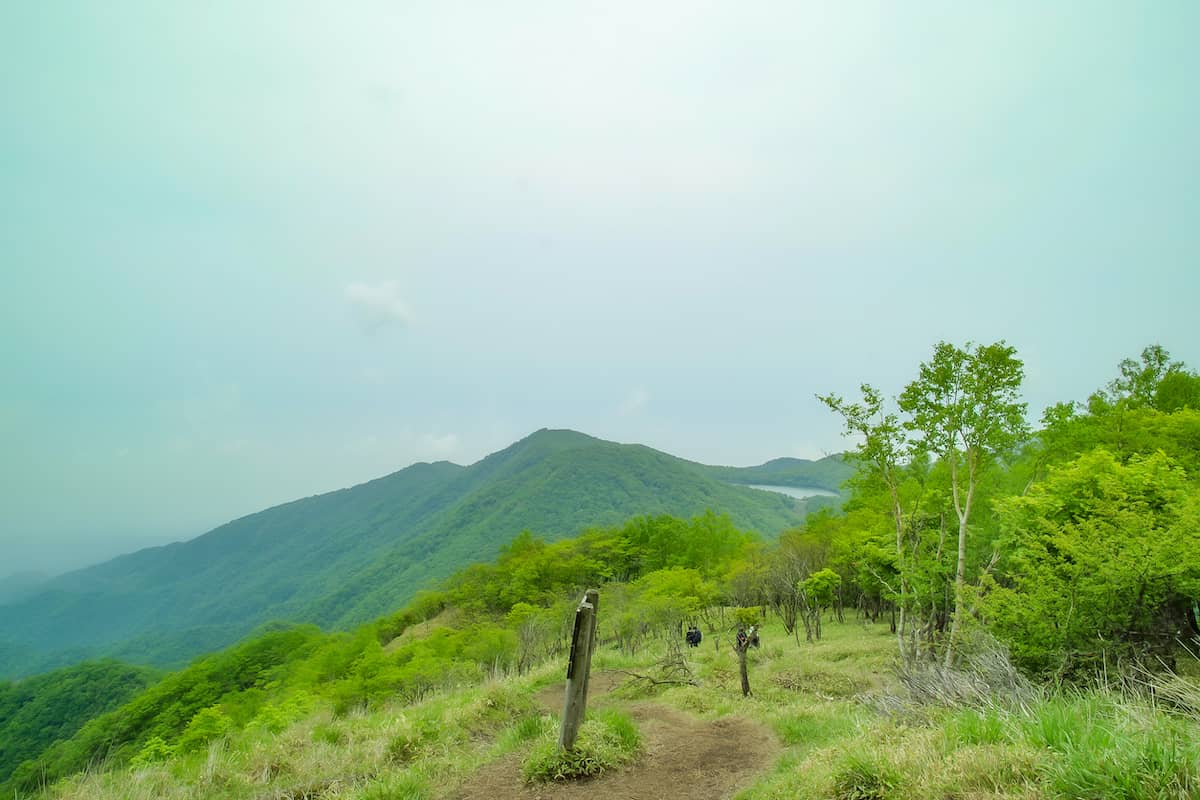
{"points": [[740, 645], [579, 668]]}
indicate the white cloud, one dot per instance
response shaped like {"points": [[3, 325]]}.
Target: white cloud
{"points": [[440, 447], [378, 305], [634, 402]]}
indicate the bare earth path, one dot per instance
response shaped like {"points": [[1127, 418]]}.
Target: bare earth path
{"points": [[685, 758]]}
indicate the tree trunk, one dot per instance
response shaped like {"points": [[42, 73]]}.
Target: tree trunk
{"points": [[964, 513]]}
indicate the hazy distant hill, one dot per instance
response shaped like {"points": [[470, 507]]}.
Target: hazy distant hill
{"points": [[17, 585], [827, 473], [350, 555]]}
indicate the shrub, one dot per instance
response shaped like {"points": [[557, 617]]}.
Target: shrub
{"points": [[208, 724], [155, 749]]}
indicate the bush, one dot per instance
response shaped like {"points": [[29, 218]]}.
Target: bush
{"points": [[207, 724], [154, 750]]}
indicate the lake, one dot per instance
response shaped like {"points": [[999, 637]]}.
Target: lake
{"points": [[799, 492]]}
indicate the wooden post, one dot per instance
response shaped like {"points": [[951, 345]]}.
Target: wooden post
{"points": [[740, 648], [590, 596], [579, 667]]}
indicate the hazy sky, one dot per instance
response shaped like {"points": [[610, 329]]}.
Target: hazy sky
{"points": [[255, 251]]}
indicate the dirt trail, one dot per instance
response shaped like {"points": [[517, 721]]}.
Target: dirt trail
{"points": [[685, 758]]}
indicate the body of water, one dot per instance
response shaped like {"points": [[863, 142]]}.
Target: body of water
{"points": [[799, 492]]}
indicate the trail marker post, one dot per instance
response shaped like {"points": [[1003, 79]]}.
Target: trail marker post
{"points": [[579, 668]]}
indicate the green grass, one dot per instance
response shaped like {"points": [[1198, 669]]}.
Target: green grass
{"points": [[819, 700], [866, 776], [606, 741]]}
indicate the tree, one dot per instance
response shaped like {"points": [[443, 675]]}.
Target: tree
{"points": [[1138, 383], [881, 451], [964, 408], [1178, 390]]}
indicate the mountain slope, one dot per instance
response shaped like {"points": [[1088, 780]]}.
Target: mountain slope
{"points": [[827, 473], [344, 557], [36, 712]]}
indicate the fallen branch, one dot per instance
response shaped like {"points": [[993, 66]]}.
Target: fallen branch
{"points": [[658, 681]]}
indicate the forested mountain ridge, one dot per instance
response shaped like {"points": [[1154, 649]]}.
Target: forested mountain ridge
{"points": [[347, 556], [828, 473]]}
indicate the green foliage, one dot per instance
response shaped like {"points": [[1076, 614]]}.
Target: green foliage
{"points": [[821, 586], [605, 742], [208, 724], [236, 679], [1103, 559], [36, 712], [745, 617], [155, 749]]}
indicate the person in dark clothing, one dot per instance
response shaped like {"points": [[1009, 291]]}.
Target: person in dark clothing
{"points": [[693, 636], [741, 639]]}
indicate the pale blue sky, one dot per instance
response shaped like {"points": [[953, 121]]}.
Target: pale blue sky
{"points": [[250, 255]]}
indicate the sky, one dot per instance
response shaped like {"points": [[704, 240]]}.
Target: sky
{"points": [[256, 251]]}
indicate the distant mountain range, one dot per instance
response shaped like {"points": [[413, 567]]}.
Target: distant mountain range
{"points": [[16, 585], [341, 558]]}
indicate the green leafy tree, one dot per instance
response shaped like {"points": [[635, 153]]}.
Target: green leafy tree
{"points": [[965, 408], [1138, 384], [882, 450], [208, 724]]}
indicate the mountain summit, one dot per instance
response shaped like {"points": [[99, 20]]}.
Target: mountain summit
{"points": [[340, 558]]}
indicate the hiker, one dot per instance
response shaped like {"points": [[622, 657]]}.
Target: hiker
{"points": [[741, 639], [752, 635], [693, 636]]}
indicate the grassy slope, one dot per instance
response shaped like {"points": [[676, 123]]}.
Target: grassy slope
{"points": [[347, 556], [1086, 745]]}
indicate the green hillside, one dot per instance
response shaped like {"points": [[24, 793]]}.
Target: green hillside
{"points": [[827, 473], [38, 711], [341, 558]]}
